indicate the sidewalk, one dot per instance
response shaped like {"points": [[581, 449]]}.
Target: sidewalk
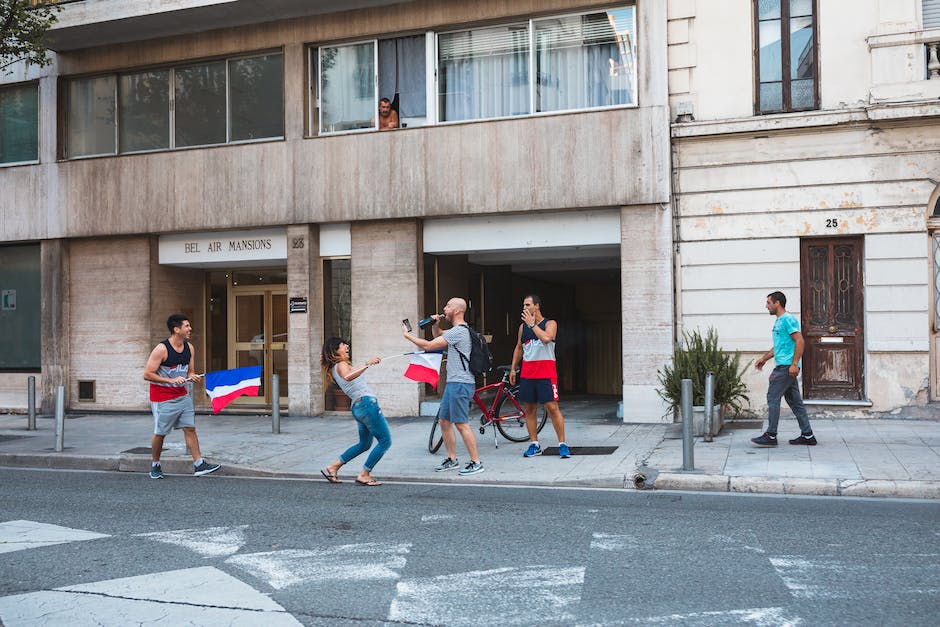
{"points": [[888, 458]]}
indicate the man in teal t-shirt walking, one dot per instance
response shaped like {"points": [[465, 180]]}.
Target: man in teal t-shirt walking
{"points": [[787, 352]]}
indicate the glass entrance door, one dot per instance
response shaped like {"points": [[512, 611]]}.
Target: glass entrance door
{"points": [[257, 329]]}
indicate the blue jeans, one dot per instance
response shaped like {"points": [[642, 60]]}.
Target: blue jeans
{"points": [[372, 424], [783, 385]]}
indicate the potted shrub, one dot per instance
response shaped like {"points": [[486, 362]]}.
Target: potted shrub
{"points": [[696, 356]]}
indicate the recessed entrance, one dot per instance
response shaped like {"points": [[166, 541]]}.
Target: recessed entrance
{"points": [[247, 326]]}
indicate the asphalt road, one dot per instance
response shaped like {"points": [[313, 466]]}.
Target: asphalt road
{"points": [[115, 548]]}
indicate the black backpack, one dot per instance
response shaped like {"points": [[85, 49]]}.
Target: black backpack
{"points": [[480, 360]]}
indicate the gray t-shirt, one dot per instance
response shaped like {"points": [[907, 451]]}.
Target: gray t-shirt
{"points": [[355, 389], [458, 339]]}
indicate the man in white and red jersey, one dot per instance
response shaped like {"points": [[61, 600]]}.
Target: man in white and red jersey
{"points": [[169, 368], [538, 380]]}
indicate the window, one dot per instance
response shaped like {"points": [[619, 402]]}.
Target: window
{"points": [[352, 79], [19, 124], [192, 105], [786, 59], [930, 10], [20, 343], [560, 63]]}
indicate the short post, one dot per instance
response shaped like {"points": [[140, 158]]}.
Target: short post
{"points": [[275, 403], [59, 419], [709, 405], [688, 458], [31, 403]]}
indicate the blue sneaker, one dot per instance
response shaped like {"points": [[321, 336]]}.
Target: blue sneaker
{"points": [[533, 450], [156, 472], [563, 451]]}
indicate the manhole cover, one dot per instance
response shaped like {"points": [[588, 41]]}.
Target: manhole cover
{"points": [[582, 450]]}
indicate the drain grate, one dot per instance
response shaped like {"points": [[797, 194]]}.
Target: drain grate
{"points": [[7, 438], [581, 450]]}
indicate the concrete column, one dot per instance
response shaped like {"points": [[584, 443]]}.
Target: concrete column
{"points": [[305, 331], [646, 288], [54, 323], [386, 287], [295, 80]]}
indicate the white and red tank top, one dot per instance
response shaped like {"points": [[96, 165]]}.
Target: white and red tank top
{"points": [[538, 358], [175, 365]]}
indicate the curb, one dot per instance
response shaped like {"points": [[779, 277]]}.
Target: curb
{"points": [[881, 488]]}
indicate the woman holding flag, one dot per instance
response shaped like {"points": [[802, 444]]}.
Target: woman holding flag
{"points": [[334, 359]]}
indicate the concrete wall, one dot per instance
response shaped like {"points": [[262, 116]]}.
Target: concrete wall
{"points": [[305, 331], [387, 275], [111, 334]]}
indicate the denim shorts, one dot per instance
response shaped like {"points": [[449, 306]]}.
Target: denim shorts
{"points": [[455, 402]]}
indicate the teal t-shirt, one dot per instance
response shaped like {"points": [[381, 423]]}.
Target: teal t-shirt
{"points": [[783, 343]]}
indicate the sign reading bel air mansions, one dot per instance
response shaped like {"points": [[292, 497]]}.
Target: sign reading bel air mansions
{"points": [[262, 247]]}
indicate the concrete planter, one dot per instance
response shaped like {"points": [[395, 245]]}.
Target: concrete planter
{"points": [[698, 420]]}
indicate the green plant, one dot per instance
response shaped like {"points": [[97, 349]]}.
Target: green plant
{"points": [[699, 355]]}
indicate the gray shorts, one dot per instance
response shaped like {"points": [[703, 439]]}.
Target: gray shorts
{"points": [[175, 413]]}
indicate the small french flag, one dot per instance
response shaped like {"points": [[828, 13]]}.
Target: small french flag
{"points": [[224, 386], [425, 367]]}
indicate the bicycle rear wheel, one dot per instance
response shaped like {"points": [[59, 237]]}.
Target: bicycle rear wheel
{"points": [[436, 438], [511, 423]]}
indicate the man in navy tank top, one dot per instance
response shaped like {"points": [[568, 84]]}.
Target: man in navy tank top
{"points": [[169, 368], [538, 379]]}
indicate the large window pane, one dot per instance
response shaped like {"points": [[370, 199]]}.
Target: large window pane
{"points": [[91, 116], [770, 51], [20, 344], [256, 95], [200, 105], [585, 61], [144, 118], [402, 64], [768, 9], [801, 48], [19, 124], [484, 73], [347, 87]]}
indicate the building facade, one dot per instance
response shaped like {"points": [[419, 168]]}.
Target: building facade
{"points": [[647, 167], [806, 158], [202, 157]]}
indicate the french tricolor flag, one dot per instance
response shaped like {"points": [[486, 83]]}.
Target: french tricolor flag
{"points": [[425, 367], [225, 386]]}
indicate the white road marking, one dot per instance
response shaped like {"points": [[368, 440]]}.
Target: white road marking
{"points": [[17, 535], [202, 596], [830, 578], [211, 542], [761, 616], [613, 542], [436, 517], [503, 596], [350, 562]]}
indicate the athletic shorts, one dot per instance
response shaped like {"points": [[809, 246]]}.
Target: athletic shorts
{"points": [[175, 413], [455, 402], [537, 390]]}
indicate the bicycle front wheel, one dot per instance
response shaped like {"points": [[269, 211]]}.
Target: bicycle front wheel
{"points": [[510, 420], [435, 439]]}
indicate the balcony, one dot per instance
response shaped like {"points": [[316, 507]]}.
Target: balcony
{"points": [[905, 66], [90, 23]]}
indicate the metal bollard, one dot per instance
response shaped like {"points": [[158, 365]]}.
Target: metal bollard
{"points": [[31, 403], [275, 403], [688, 458], [709, 405], [59, 419]]}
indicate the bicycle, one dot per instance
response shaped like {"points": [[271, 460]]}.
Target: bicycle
{"points": [[504, 411]]}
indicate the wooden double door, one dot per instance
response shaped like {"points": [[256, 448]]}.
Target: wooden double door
{"points": [[832, 318]]}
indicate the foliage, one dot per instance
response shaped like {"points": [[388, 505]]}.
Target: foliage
{"points": [[699, 356], [23, 27]]}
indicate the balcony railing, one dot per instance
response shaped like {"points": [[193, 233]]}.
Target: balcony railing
{"points": [[933, 59]]}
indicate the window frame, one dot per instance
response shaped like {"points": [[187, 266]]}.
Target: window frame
{"points": [[786, 79], [171, 69], [18, 85], [318, 91]]}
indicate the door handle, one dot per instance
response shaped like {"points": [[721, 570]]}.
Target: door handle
{"points": [[832, 329]]}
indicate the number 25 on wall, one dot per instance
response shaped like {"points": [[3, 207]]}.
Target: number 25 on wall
{"points": [[832, 223]]}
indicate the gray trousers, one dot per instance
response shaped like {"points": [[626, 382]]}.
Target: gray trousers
{"points": [[783, 385]]}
